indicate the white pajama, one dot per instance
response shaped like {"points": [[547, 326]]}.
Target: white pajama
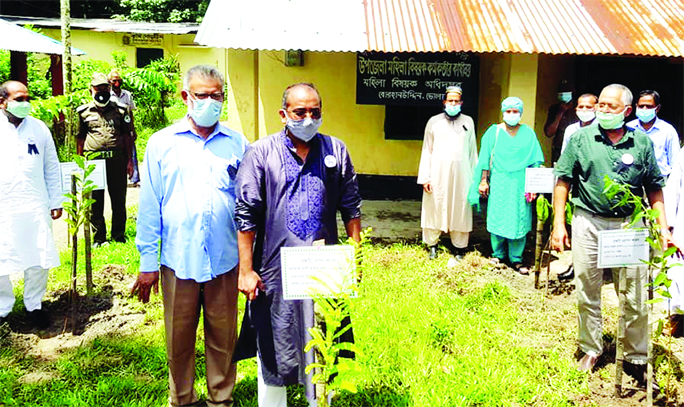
{"points": [[458, 239], [35, 284], [273, 396]]}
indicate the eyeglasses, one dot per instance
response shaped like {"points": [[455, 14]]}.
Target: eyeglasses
{"points": [[607, 106], [116, 81], [218, 96], [301, 113]]}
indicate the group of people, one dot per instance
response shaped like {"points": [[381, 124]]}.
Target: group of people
{"points": [[214, 211], [592, 140], [455, 179]]}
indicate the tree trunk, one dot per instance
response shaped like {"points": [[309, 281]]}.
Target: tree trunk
{"points": [[66, 69], [88, 256]]}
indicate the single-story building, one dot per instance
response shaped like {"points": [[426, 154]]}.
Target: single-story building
{"points": [[378, 64]]}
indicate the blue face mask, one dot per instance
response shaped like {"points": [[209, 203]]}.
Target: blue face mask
{"points": [[646, 115], [565, 97], [205, 112], [304, 129], [452, 110]]}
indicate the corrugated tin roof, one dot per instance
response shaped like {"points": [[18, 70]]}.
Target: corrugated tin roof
{"points": [[104, 25], [312, 25], [642, 27], [15, 38]]}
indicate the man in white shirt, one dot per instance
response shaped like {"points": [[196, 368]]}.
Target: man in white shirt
{"points": [[664, 137], [30, 197]]}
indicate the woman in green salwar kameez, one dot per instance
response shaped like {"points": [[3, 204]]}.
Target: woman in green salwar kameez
{"points": [[506, 150]]}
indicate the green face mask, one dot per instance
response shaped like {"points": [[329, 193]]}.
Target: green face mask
{"points": [[19, 109], [611, 121]]}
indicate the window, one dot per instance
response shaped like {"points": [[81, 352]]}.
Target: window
{"points": [[146, 55]]}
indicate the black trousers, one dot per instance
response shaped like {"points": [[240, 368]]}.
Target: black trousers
{"points": [[116, 185]]}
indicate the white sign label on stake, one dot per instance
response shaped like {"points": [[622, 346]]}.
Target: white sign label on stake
{"points": [[539, 180], [620, 248], [98, 176], [303, 267]]}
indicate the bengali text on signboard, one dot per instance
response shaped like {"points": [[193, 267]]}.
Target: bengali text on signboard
{"points": [[413, 78]]}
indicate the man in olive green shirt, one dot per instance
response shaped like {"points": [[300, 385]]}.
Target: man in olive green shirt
{"points": [[105, 130], [625, 155]]}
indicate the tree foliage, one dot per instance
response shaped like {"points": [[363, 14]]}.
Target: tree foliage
{"points": [[172, 11]]}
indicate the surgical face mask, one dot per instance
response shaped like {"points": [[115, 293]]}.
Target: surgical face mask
{"points": [[646, 115], [611, 121], [586, 115], [511, 119], [101, 98], [19, 109], [205, 112], [565, 97], [304, 129], [452, 110]]}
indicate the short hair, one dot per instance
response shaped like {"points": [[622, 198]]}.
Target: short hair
{"points": [[311, 86], [654, 94], [5, 88], [113, 73], [204, 72], [626, 93], [588, 95]]}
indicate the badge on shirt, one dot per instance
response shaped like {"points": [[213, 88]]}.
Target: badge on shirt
{"points": [[627, 159], [32, 149], [330, 161]]}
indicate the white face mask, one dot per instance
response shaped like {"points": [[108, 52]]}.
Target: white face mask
{"points": [[511, 119], [304, 129], [586, 115]]}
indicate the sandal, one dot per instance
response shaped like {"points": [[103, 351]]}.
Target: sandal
{"points": [[520, 268], [495, 261]]}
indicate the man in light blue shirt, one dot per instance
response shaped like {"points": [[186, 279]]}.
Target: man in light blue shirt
{"points": [[664, 136], [186, 210]]}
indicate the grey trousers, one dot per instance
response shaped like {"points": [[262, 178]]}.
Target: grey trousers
{"points": [[589, 279]]}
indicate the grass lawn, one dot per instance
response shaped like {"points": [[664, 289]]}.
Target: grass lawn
{"points": [[431, 336]]}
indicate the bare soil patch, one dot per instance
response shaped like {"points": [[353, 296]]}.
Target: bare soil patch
{"points": [[105, 312]]}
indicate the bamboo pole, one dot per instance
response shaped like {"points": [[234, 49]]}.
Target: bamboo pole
{"points": [[620, 351], [88, 255], [74, 259]]}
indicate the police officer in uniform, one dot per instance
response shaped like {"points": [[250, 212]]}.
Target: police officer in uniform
{"points": [[105, 132]]}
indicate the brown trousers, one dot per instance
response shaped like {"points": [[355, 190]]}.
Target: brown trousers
{"points": [[182, 302]]}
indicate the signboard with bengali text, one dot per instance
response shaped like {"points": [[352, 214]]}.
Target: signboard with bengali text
{"points": [[414, 78]]}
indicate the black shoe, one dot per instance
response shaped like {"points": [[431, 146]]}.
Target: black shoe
{"points": [[39, 318], [433, 252], [638, 373], [568, 274]]}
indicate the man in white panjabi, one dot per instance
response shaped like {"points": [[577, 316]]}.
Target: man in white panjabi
{"points": [[446, 165], [30, 195]]}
